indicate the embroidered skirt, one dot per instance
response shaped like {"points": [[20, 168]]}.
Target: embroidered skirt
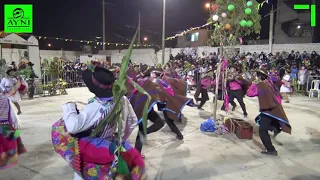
{"points": [[10, 147], [91, 157]]}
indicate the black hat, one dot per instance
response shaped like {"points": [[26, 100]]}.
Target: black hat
{"points": [[30, 64], [10, 68], [145, 70], [263, 71], [99, 82]]}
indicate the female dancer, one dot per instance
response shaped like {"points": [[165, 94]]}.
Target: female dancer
{"points": [[9, 86], [11, 145]]}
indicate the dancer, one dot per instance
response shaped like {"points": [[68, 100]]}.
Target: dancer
{"points": [[286, 85], [272, 116], [302, 78], [203, 89], [30, 81], [11, 145], [235, 90], [9, 86], [98, 157]]}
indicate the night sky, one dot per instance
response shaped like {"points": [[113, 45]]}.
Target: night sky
{"points": [[82, 19]]}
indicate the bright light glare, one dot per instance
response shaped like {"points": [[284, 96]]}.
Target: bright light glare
{"points": [[299, 27], [145, 38], [49, 45], [207, 5]]}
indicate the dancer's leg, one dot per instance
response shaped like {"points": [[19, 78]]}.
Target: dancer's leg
{"points": [[172, 126], [158, 123]]}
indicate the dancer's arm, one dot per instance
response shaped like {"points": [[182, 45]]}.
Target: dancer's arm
{"points": [[76, 123], [13, 115]]}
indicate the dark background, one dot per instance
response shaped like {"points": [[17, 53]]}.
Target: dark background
{"points": [[82, 19]]}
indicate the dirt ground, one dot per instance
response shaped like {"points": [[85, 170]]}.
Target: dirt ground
{"points": [[198, 157]]}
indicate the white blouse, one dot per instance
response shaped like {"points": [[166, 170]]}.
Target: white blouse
{"points": [[91, 114]]}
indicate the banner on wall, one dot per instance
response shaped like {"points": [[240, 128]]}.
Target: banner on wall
{"points": [[15, 39]]}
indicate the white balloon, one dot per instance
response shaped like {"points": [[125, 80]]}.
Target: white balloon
{"points": [[215, 17], [224, 15]]}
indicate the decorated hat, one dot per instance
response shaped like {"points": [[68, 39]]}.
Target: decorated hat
{"points": [[30, 64], [99, 81], [263, 71], [145, 70]]}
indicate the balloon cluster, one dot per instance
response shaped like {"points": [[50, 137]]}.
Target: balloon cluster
{"points": [[247, 11], [231, 8]]}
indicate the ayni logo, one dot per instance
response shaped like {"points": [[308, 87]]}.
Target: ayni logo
{"points": [[18, 18]]}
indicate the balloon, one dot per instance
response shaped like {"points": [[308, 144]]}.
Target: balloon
{"points": [[243, 23], [224, 14], [214, 7], [230, 7], [249, 3], [249, 23], [247, 11], [215, 17], [227, 26]]}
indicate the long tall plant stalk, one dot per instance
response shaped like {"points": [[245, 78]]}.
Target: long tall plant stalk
{"points": [[119, 90]]}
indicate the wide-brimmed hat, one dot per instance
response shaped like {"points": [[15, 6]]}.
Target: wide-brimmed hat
{"points": [[99, 81], [10, 68], [145, 70], [30, 64]]}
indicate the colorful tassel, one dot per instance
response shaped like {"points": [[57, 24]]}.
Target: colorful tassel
{"points": [[122, 167], [16, 134]]}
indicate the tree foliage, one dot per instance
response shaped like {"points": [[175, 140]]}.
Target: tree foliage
{"points": [[228, 30]]}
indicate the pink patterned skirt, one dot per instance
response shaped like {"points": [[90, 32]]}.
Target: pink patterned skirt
{"points": [[10, 147], [91, 157]]}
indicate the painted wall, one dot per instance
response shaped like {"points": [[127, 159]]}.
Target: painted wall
{"points": [[150, 57]]}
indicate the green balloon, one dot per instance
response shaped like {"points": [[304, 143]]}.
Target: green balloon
{"points": [[243, 23], [230, 7], [247, 11], [249, 23], [249, 3]]}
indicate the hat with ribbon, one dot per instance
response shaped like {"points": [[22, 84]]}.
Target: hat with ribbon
{"points": [[99, 81], [10, 68]]}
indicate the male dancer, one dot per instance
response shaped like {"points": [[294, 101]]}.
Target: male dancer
{"points": [[235, 90], [272, 116]]}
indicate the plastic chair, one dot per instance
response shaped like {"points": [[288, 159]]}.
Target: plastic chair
{"points": [[315, 86]]}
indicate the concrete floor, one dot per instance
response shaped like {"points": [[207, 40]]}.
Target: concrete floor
{"points": [[199, 157]]}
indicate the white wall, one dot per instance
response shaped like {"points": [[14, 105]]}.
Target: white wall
{"points": [[150, 57]]}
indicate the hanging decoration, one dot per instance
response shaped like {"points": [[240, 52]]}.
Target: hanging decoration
{"points": [[215, 17], [231, 7], [243, 23], [94, 42], [228, 26], [237, 18], [249, 23], [214, 7], [247, 11], [187, 31]]}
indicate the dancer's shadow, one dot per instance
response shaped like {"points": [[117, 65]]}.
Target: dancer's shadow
{"points": [[314, 135], [205, 114], [172, 165]]}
